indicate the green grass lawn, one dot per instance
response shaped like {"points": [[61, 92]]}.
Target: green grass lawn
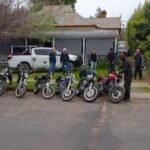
{"points": [[30, 81]]}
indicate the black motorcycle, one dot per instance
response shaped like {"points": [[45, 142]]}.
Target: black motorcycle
{"points": [[21, 87], [64, 87], [39, 82], [86, 85], [5, 79]]}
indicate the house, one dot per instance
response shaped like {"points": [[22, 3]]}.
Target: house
{"points": [[79, 35]]}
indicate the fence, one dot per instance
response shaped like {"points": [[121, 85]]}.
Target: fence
{"points": [[102, 61]]}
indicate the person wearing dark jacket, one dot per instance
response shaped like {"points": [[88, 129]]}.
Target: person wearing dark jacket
{"points": [[64, 59], [126, 68], [111, 59], [52, 60], [93, 60], [138, 64]]}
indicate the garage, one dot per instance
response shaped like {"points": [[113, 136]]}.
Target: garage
{"points": [[102, 45], [74, 45]]}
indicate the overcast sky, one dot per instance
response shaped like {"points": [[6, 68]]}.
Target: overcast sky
{"points": [[114, 8]]}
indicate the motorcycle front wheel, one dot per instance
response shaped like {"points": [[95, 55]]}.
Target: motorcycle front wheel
{"points": [[2, 87], [48, 92], [116, 94], [67, 95], [20, 91], [90, 95]]}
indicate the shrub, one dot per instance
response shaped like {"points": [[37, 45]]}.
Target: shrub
{"points": [[147, 60], [102, 63]]}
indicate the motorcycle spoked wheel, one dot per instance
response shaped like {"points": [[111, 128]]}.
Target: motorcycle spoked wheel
{"points": [[20, 91], [67, 95], [116, 94], [90, 95], [48, 92], [2, 87]]}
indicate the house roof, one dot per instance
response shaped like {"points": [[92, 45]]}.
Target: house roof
{"points": [[66, 16], [71, 19], [108, 23]]}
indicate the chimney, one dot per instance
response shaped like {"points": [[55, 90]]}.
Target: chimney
{"points": [[104, 14]]}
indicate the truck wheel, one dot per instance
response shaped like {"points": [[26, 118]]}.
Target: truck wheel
{"points": [[25, 67], [71, 67]]}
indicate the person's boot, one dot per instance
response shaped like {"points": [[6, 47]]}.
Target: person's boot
{"points": [[127, 98]]}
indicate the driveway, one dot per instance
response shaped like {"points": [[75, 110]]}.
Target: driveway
{"points": [[33, 123]]}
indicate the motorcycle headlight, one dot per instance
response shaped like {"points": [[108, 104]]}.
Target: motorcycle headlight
{"points": [[26, 75], [90, 76]]}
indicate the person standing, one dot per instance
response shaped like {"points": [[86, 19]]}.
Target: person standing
{"points": [[111, 59], [139, 64], [52, 59], [64, 59], [93, 59], [126, 68]]}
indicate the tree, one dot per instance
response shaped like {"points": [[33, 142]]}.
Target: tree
{"points": [[38, 4], [138, 28], [17, 21], [10, 18], [98, 12]]}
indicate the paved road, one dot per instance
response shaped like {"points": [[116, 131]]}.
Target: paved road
{"points": [[36, 124]]}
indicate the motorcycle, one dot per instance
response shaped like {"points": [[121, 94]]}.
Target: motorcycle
{"points": [[44, 83], [64, 86], [86, 85], [110, 86], [21, 87], [39, 82], [5, 79]]}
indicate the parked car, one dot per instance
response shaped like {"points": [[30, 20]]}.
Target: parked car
{"points": [[38, 58]]}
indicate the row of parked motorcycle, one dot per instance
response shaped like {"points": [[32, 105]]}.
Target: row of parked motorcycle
{"points": [[90, 86]]}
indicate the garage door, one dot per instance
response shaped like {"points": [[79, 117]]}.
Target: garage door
{"points": [[102, 45], [74, 45]]}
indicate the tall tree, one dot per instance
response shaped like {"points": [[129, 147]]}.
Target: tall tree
{"points": [[17, 21], [38, 4], [138, 28], [98, 12]]}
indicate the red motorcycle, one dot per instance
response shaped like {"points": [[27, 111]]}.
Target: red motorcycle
{"points": [[110, 85]]}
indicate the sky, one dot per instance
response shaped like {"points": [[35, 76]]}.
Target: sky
{"points": [[114, 8]]}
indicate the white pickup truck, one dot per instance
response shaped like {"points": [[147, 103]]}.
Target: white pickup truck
{"points": [[38, 58]]}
